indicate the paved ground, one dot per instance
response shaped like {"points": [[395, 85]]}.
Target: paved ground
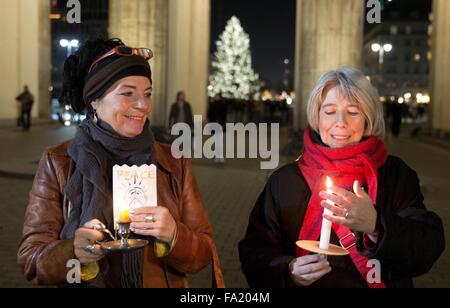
{"points": [[229, 192], [20, 151], [433, 167]]}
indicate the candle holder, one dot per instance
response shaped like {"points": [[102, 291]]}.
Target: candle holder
{"points": [[124, 244], [124, 233], [314, 246]]}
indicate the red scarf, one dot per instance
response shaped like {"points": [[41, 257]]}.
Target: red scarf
{"points": [[344, 165]]}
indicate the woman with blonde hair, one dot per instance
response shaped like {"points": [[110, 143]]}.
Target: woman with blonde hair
{"points": [[376, 202]]}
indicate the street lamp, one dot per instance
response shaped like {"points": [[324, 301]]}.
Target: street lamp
{"points": [[381, 49], [69, 45]]}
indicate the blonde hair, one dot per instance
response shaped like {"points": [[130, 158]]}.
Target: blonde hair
{"points": [[355, 87]]}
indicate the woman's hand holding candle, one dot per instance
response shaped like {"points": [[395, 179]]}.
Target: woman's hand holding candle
{"points": [[308, 269], [154, 221], [353, 210], [85, 248]]}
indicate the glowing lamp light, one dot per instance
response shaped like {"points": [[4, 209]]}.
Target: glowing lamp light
{"points": [[376, 47], [64, 43], [387, 47]]}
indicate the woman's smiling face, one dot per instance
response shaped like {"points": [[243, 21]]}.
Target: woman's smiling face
{"points": [[341, 122], [126, 105]]}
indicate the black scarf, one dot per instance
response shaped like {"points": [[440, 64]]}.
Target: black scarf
{"points": [[95, 150]]}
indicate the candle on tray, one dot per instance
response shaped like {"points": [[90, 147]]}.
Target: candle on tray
{"points": [[326, 224]]}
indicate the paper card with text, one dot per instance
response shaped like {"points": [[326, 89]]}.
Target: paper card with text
{"points": [[133, 187]]}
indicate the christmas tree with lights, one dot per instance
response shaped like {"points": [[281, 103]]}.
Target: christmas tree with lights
{"points": [[232, 72]]}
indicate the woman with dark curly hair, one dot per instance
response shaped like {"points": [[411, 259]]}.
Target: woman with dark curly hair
{"points": [[72, 190]]}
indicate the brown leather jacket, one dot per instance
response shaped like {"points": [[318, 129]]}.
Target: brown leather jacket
{"points": [[43, 256]]}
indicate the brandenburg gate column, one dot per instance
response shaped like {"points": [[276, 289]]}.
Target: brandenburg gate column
{"points": [[178, 32], [329, 35], [440, 67], [25, 60]]}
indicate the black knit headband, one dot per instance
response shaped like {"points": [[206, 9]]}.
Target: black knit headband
{"points": [[106, 74]]}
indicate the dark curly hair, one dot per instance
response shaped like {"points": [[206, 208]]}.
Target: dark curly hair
{"points": [[76, 69]]}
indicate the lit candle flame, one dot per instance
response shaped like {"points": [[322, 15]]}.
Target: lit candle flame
{"points": [[124, 215]]}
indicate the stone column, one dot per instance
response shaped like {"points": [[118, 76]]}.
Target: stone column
{"points": [[329, 35], [440, 67], [178, 33], [189, 36], [25, 60], [144, 23]]}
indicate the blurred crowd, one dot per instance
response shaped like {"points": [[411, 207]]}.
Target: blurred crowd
{"points": [[224, 110]]}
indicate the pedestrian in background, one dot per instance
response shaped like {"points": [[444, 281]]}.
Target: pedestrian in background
{"points": [[217, 113], [181, 111], [26, 101]]}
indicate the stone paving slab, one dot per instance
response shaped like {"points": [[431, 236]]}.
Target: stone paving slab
{"points": [[21, 151], [432, 164]]}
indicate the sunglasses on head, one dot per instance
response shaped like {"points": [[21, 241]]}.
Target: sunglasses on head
{"points": [[126, 51]]}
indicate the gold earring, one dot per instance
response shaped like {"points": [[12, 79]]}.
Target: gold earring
{"points": [[95, 116]]}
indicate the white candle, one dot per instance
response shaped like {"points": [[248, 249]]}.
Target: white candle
{"points": [[326, 224]]}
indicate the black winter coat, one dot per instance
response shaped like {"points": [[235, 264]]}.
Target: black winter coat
{"points": [[410, 238]]}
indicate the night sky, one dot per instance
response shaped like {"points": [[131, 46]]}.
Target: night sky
{"points": [[403, 10], [271, 26], [406, 10]]}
